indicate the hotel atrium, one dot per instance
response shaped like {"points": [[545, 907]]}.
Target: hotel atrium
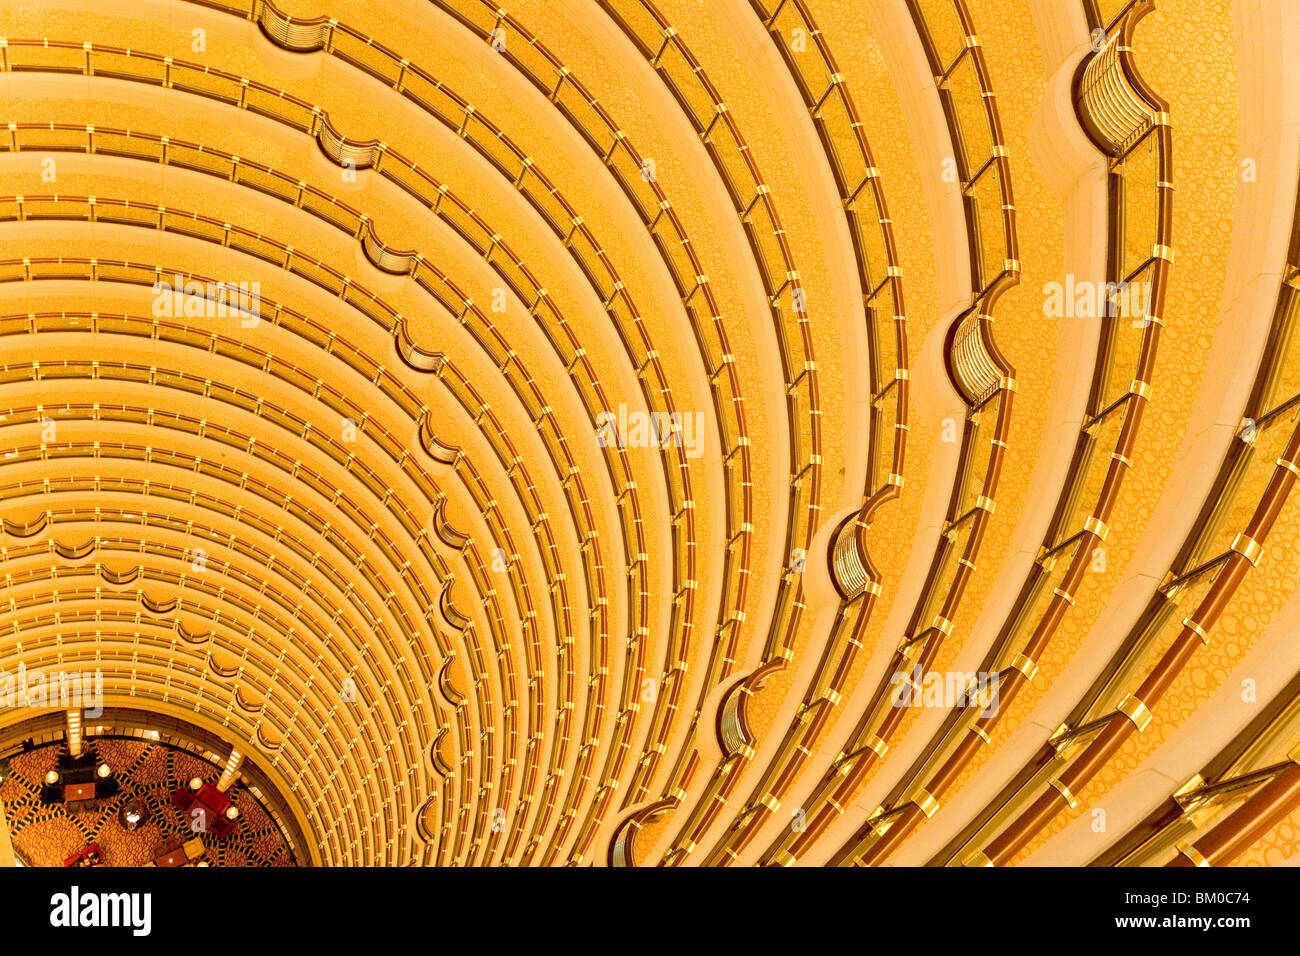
{"points": [[650, 433]]}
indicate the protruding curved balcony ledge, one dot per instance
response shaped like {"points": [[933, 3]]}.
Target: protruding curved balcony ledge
{"points": [[300, 36], [1115, 105], [975, 371]]}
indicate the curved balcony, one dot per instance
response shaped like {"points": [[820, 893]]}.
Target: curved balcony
{"points": [[974, 370], [1113, 102]]}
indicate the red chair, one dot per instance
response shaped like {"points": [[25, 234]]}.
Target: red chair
{"points": [[91, 855]]}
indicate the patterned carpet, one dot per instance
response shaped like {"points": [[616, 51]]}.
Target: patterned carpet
{"points": [[48, 835]]}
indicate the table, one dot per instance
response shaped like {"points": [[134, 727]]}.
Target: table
{"points": [[76, 792], [175, 857]]}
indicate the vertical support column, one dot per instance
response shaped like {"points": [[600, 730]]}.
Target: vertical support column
{"points": [[231, 772], [75, 739]]}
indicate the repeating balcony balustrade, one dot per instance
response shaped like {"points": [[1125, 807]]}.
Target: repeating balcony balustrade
{"points": [[975, 372], [848, 561], [1218, 552], [1113, 104], [438, 450], [647, 561], [389, 260], [436, 362], [301, 36], [61, 320], [340, 149], [734, 734], [344, 151], [587, 253], [448, 535]]}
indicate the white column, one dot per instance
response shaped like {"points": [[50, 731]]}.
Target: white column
{"points": [[74, 732], [231, 772]]}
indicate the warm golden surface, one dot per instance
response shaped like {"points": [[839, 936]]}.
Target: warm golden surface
{"points": [[383, 543]]}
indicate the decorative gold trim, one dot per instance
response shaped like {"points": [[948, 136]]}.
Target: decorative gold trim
{"points": [[1064, 791], [1193, 854], [1196, 629], [1248, 548], [926, 801], [1136, 711], [1096, 526], [1182, 796], [1026, 666]]}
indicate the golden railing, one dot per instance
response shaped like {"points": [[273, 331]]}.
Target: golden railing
{"points": [[17, 373], [617, 151], [171, 661], [666, 51], [411, 692], [1113, 104], [1262, 752], [216, 162], [858, 182], [344, 42], [102, 323], [163, 330], [982, 165], [1140, 257], [589, 117], [691, 279], [1254, 479], [627, 165], [147, 275], [92, 59]]}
